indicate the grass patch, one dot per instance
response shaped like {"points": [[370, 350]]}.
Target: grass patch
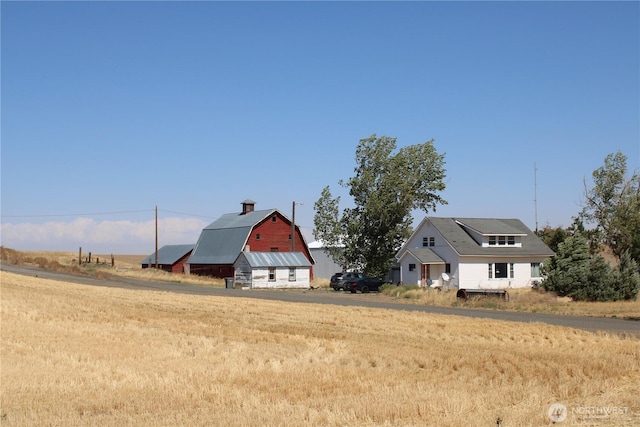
{"points": [[522, 300]]}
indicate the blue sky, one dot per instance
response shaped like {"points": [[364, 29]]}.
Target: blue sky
{"points": [[112, 108]]}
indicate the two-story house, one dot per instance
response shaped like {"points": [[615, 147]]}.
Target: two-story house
{"points": [[472, 253]]}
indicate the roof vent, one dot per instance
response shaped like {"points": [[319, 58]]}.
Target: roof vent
{"points": [[248, 206]]}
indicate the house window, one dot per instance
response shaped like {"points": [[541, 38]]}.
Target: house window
{"points": [[428, 241], [447, 268], [412, 267], [258, 236], [292, 274], [272, 274], [289, 236], [273, 218], [502, 240], [535, 269], [274, 249], [511, 271], [500, 270]]}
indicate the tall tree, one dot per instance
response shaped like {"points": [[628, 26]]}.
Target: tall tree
{"points": [[612, 205], [386, 188]]}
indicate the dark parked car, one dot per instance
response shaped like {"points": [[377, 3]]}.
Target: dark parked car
{"points": [[338, 280], [363, 284]]}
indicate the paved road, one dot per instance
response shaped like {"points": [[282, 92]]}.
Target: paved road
{"points": [[321, 296]]}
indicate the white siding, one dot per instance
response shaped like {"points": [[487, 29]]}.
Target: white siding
{"points": [[474, 274], [465, 272], [260, 278]]}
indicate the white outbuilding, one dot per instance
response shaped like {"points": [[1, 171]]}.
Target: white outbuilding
{"points": [[271, 270]]}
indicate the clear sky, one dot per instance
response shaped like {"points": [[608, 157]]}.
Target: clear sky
{"points": [[110, 109]]}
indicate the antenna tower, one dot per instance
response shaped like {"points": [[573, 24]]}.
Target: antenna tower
{"points": [[535, 193]]}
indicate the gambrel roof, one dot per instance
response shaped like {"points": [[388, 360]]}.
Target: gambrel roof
{"points": [[221, 241]]}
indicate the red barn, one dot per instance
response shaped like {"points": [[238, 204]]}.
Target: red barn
{"points": [[223, 240], [171, 258]]}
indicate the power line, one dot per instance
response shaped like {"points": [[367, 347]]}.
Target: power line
{"points": [[75, 214], [187, 214], [102, 213]]}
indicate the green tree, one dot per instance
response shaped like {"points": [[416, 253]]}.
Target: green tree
{"points": [[552, 237], [573, 272], [627, 279], [612, 205], [388, 185], [569, 267]]}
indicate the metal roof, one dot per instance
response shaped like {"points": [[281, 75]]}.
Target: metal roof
{"points": [[168, 254], [276, 259], [453, 230], [234, 220], [221, 241]]}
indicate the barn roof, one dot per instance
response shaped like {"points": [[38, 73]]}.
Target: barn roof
{"points": [[168, 254], [221, 241], [276, 259]]}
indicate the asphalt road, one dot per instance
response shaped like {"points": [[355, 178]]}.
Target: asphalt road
{"points": [[625, 327]]}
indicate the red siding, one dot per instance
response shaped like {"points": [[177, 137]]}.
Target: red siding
{"points": [[179, 266], [213, 270], [273, 234]]}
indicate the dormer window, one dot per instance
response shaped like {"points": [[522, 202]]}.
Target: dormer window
{"points": [[502, 241]]}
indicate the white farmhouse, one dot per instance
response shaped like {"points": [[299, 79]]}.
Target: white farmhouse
{"points": [[472, 253], [272, 270]]}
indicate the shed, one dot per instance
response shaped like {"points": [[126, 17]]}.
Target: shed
{"points": [[272, 270], [171, 258], [324, 266]]}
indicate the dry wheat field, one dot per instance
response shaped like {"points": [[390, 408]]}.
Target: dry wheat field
{"points": [[76, 355]]}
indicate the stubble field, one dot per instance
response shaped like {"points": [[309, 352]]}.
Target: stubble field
{"points": [[76, 355]]}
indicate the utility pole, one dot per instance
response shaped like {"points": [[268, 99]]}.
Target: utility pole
{"points": [[293, 224], [156, 236], [535, 193]]}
